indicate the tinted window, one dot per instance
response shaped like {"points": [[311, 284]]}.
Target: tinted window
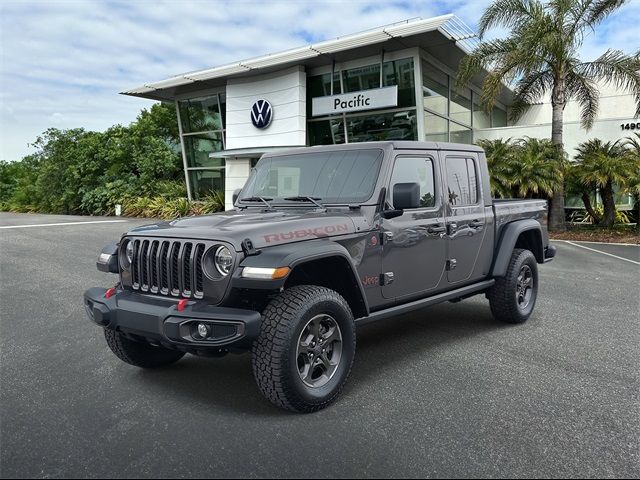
{"points": [[415, 170], [341, 176], [462, 182]]}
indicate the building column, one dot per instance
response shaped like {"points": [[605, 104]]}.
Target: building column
{"points": [[236, 173]]}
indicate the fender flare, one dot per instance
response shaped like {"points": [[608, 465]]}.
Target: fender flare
{"points": [[508, 239], [292, 255]]}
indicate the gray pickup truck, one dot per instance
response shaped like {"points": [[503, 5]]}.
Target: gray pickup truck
{"points": [[321, 240]]}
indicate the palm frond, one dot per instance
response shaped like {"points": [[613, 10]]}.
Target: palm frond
{"points": [[508, 13], [601, 9], [583, 90], [617, 68], [528, 90]]}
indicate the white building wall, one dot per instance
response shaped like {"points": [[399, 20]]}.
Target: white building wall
{"points": [[285, 91], [615, 108], [237, 172]]}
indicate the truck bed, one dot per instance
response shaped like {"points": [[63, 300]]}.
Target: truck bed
{"points": [[509, 210]]}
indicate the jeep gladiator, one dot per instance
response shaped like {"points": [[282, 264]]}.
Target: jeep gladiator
{"points": [[320, 240]]}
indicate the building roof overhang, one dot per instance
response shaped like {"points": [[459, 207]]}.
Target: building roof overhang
{"points": [[445, 37]]}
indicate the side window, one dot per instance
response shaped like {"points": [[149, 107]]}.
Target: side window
{"points": [[415, 170], [462, 181]]}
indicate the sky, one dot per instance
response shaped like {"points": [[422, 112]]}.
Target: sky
{"points": [[63, 63]]}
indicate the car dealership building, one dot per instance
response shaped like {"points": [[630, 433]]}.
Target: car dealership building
{"points": [[392, 83]]}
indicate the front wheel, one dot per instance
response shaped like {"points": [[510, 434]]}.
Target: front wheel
{"points": [[513, 296], [305, 350]]}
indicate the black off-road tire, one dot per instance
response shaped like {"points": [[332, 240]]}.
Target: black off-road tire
{"points": [[140, 354], [274, 354], [503, 295]]}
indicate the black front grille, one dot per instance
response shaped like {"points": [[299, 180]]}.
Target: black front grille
{"points": [[168, 267]]}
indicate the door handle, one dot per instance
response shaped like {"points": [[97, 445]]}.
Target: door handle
{"points": [[436, 229]]}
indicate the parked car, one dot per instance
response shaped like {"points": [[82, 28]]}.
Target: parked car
{"points": [[321, 240]]}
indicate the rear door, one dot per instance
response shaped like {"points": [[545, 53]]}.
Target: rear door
{"points": [[414, 247], [465, 214]]}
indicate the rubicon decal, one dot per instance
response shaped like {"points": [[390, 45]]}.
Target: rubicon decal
{"points": [[306, 233]]}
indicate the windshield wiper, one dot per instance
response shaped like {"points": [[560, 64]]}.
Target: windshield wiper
{"points": [[304, 198], [264, 200]]}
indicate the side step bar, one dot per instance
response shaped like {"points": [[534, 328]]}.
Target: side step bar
{"points": [[467, 291]]}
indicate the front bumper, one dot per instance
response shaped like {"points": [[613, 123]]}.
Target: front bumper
{"points": [[158, 321]]}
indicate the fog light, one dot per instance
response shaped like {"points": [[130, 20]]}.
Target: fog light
{"points": [[203, 330]]}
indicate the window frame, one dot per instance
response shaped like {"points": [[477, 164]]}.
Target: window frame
{"points": [[474, 160], [436, 180]]}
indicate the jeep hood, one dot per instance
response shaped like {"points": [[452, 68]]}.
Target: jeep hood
{"points": [[264, 228]]}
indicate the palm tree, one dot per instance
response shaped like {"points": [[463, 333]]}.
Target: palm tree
{"points": [[601, 165], [633, 145], [523, 167], [541, 56], [499, 155], [536, 170]]}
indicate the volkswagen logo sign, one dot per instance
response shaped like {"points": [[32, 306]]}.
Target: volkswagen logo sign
{"points": [[261, 114]]}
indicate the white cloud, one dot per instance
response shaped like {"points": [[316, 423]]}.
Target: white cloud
{"points": [[63, 62]]}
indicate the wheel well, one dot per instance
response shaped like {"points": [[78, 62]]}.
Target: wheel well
{"points": [[531, 240], [334, 273]]}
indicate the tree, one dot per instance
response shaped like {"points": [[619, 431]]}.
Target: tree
{"points": [[525, 167], [633, 149], [76, 171], [540, 56], [499, 155], [603, 165]]}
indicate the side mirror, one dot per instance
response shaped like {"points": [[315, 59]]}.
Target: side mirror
{"points": [[406, 196], [236, 194]]}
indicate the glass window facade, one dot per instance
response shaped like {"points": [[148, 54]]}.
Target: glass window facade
{"points": [[459, 133], [460, 106], [436, 127], [481, 119], [498, 117], [435, 90], [451, 114], [205, 181], [389, 124], [202, 122]]}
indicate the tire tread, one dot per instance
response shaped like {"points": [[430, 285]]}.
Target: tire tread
{"points": [[270, 351]]}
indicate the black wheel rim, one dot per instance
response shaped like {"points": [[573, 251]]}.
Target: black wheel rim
{"points": [[525, 287], [319, 351]]}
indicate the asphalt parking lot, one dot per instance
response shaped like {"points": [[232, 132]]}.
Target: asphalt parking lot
{"points": [[443, 392]]}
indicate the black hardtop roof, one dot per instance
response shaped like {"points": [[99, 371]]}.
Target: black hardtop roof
{"points": [[387, 145]]}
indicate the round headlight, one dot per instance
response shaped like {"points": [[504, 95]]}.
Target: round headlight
{"points": [[127, 258], [223, 260]]}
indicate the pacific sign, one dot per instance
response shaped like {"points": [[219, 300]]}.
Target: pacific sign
{"points": [[355, 101]]}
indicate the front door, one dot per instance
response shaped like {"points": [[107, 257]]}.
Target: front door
{"points": [[414, 244], [465, 214]]}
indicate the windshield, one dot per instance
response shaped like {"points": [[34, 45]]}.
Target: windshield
{"points": [[340, 176]]}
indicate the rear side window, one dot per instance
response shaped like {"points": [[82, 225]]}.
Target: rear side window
{"points": [[415, 170], [462, 181]]}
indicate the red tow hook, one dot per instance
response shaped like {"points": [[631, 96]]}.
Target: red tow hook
{"points": [[182, 304], [110, 293]]}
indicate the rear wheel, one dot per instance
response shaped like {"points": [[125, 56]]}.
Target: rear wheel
{"points": [[305, 349], [140, 354], [513, 296]]}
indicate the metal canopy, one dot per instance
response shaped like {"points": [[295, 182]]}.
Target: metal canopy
{"points": [[248, 152], [437, 35]]}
